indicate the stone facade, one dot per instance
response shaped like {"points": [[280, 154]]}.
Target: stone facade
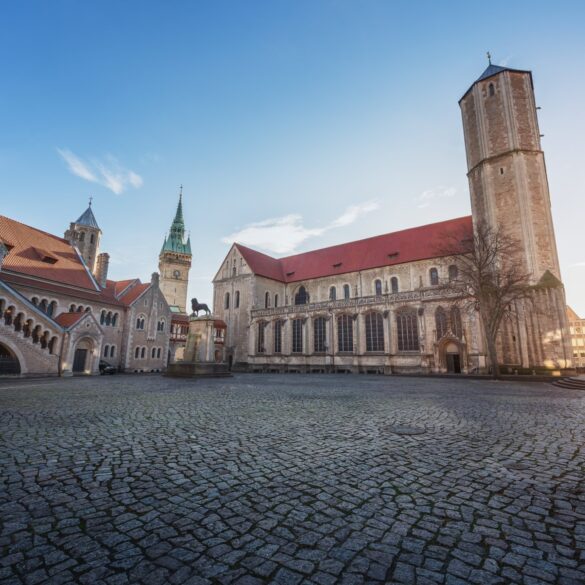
{"points": [[59, 318], [577, 332], [509, 190]]}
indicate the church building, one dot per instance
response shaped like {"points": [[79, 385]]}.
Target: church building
{"points": [[378, 305]]}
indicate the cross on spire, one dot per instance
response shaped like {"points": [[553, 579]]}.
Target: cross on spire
{"points": [[489, 56], [90, 199]]}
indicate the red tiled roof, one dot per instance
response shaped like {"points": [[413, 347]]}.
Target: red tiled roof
{"points": [[129, 297], [67, 320], [179, 318], [28, 246], [119, 286], [419, 243]]}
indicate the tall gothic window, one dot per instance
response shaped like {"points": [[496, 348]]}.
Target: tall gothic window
{"points": [[374, 332], [378, 287], [346, 291], [226, 304], [266, 300], [275, 301], [345, 333], [456, 325], [260, 348], [332, 293], [453, 272], [302, 296], [434, 276], [319, 335], [277, 336], [407, 330], [237, 300], [441, 322], [394, 284], [297, 336]]}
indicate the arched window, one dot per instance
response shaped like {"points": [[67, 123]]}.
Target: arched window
{"points": [[143, 352], [394, 284], [237, 300], [34, 301], [153, 352], [346, 291], [161, 325], [112, 351], [106, 350], [137, 353], [158, 352], [277, 336], [275, 301], [80, 309], [453, 272], [407, 330], [72, 308], [234, 270], [492, 89], [374, 332], [441, 322], [53, 345], [302, 296], [102, 317], [226, 302], [140, 321], [297, 336], [43, 305], [18, 322], [114, 319], [332, 293], [260, 347], [51, 308], [378, 287], [82, 237], [91, 238], [109, 318], [456, 325], [434, 276], [266, 300], [345, 333], [319, 336]]}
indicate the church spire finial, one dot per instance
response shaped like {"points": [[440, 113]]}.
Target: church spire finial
{"points": [[489, 56], [90, 199]]}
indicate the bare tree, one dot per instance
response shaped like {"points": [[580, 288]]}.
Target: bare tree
{"points": [[490, 278]]}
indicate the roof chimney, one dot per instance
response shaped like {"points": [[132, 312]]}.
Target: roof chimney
{"points": [[101, 269]]}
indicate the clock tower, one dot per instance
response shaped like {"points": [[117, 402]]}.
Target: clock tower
{"points": [[174, 263]]}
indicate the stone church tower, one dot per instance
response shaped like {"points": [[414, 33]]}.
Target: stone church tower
{"points": [[175, 262], [509, 190], [85, 234]]}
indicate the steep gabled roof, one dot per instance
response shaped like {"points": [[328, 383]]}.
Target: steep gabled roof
{"points": [[419, 243], [36, 253], [134, 293]]}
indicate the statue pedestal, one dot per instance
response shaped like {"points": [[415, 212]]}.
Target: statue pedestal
{"points": [[199, 359]]}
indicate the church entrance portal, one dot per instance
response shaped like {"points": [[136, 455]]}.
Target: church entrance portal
{"points": [[453, 358], [9, 363], [79, 361]]}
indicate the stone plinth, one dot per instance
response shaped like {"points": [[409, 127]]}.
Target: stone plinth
{"points": [[199, 357]]}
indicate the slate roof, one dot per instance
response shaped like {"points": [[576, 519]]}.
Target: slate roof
{"points": [[491, 70], [410, 245], [88, 218], [36, 253]]}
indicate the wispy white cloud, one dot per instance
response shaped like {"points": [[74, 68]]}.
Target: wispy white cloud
{"points": [[108, 172], [428, 196], [282, 235], [577, 265]]}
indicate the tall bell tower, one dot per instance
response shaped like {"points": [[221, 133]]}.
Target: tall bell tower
{"points": [[509, 191], [175, 262]]}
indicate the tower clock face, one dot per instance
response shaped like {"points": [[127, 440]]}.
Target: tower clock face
{"points": [[176, 273]]}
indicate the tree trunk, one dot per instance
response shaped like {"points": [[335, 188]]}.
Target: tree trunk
{"points": [[493, 354]]}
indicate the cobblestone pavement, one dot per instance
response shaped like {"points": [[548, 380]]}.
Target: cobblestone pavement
{"points": [[291, 479]]}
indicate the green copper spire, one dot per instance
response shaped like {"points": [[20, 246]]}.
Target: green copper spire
{"points": [[175, 241]]}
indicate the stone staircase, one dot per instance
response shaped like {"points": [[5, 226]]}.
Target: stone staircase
{"points": [[571, 383]]}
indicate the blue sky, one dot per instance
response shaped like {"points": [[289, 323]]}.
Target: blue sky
{"points": [[292, 125]]}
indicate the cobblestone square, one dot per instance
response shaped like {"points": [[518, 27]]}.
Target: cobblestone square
{"points": [[291, 479]]}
